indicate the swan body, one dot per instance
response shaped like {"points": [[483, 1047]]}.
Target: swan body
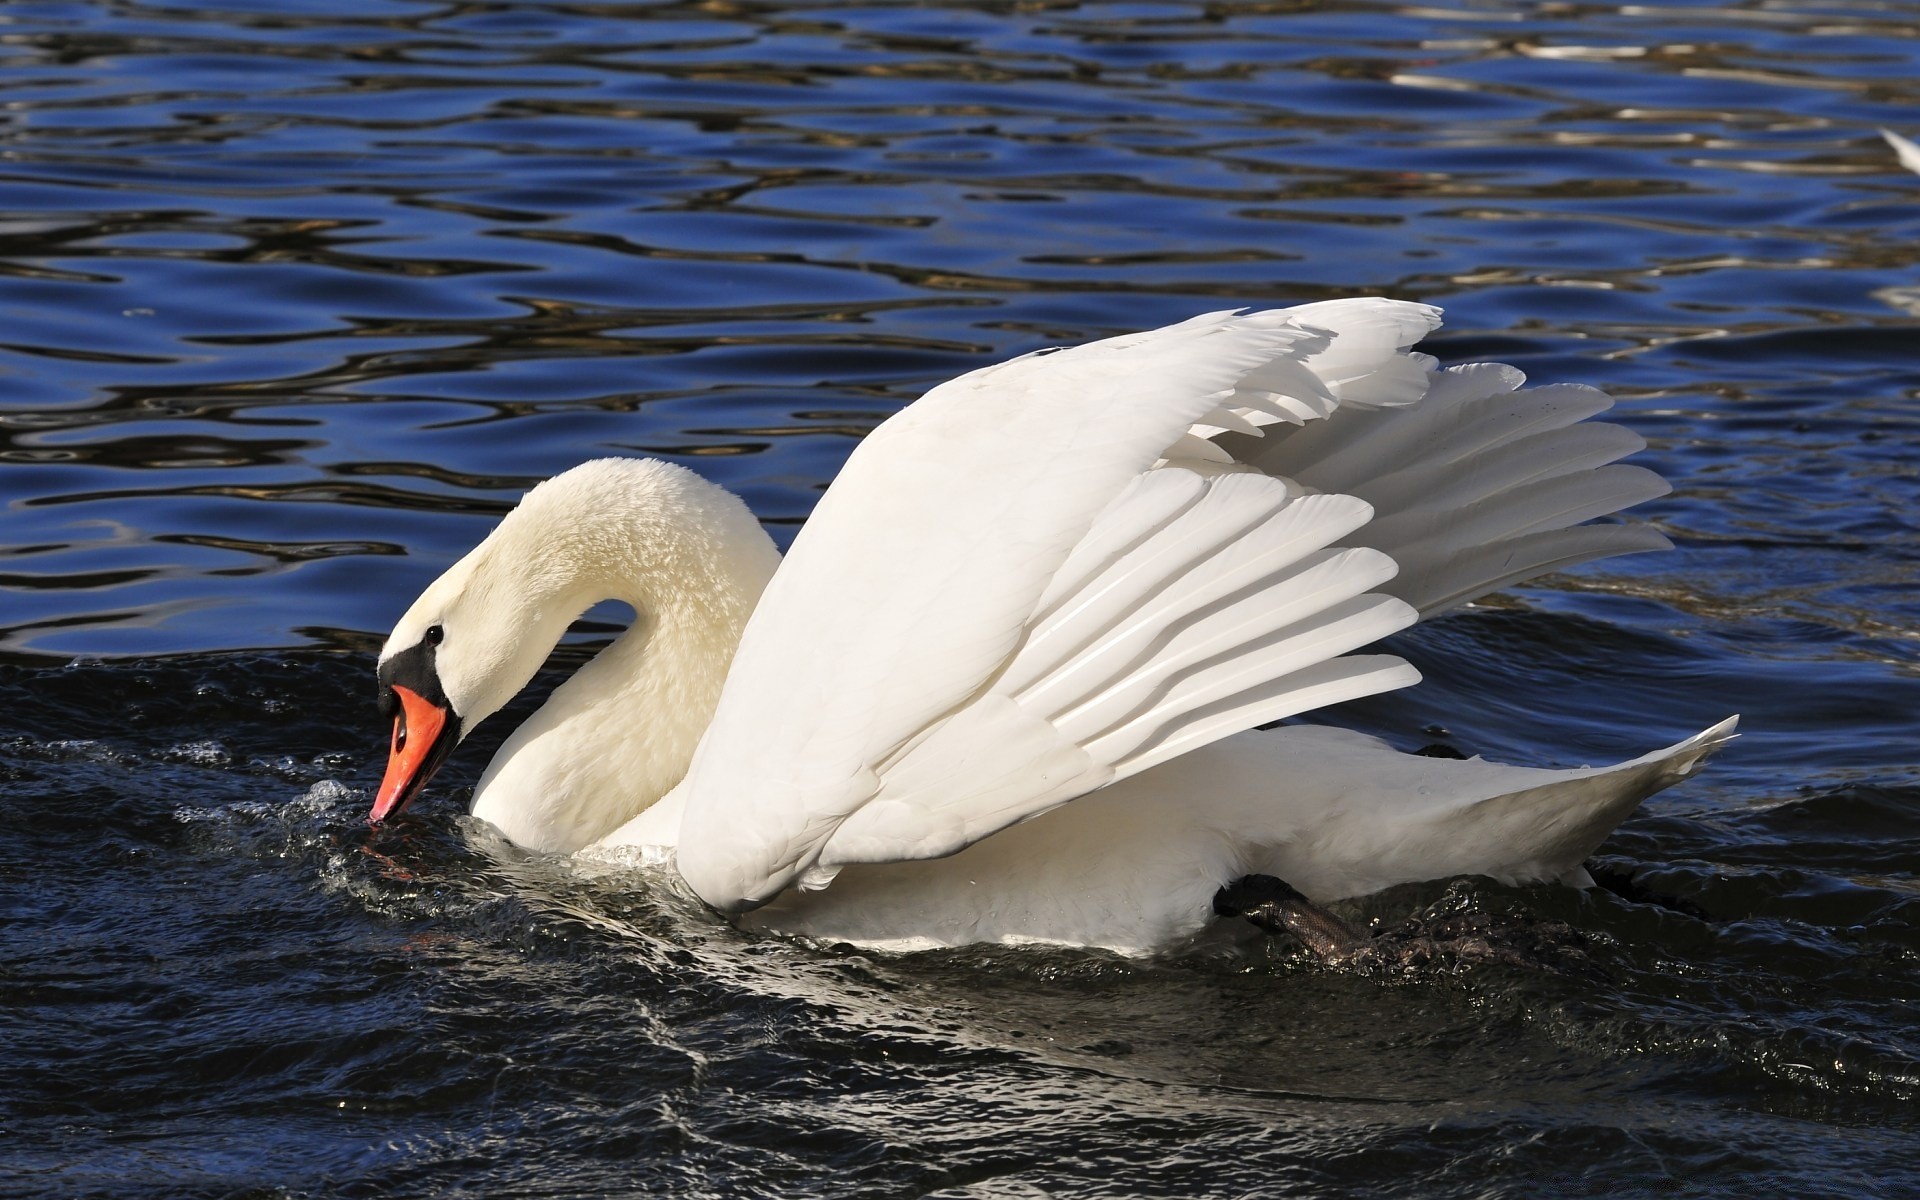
{"points": [[1337, 814], [1005, 685]]}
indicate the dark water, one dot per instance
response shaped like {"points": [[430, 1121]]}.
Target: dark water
{"points": [[296, 298]]}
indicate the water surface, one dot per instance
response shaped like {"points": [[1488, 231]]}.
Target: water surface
{"points": [[296, 299]]}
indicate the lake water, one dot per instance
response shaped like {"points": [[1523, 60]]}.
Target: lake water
{"points": [[296, 298]]}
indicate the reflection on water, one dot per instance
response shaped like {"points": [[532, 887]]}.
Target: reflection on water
{"points": [[295, 299]]}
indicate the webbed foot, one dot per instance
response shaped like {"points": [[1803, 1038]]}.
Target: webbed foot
{"points": [[1275, 906]]}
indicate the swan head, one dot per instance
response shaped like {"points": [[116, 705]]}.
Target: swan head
{"points": [[481, 631], [426, 726], [678, 549], [449, 664]]}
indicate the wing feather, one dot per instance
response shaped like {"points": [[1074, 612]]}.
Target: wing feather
{"points": [[915, 581], [1049, 574], [1480, 485], [1226, 596]]}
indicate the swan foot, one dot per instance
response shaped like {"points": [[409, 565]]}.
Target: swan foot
{"points": [[1455, 940], [1275, 906]]}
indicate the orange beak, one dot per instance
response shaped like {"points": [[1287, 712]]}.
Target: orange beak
{"points": [[424, 733]]}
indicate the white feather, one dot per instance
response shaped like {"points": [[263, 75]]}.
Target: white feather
{"points": [[1066, 574], [1006, 471], [1904, 149], [1468, 483], [1134, 868]]}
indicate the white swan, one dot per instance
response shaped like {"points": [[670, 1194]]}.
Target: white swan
{"points": [[1083, 575]]}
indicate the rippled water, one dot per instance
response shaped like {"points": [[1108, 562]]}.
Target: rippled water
{"points": [[296, 298]]}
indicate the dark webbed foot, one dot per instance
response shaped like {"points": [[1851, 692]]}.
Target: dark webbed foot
{"points": [[1275, 906]]}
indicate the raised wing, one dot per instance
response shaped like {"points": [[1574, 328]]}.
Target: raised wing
{"points": [[1000, 604], [1479, 485], [1194, 608]]}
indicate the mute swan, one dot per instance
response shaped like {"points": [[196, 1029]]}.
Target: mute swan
{"points": [[1085, 575]]}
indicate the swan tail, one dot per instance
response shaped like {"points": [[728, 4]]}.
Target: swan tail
{"points": [[1547, 830]]}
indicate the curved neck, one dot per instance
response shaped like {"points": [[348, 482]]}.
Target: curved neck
{"points": [[692, 562]]}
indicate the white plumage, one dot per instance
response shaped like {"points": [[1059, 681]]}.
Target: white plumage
{"points": [[1904, 149], [1062, 578]]}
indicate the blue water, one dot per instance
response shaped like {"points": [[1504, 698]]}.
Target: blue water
{"points": [[296, 299]]}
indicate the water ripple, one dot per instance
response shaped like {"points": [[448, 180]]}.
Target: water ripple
{"points": [[298, 298]]}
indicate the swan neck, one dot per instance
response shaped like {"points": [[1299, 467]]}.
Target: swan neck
{"points": [[685, 554], [691, 561]]}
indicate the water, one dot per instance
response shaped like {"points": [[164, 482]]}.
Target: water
{"points": [[296, 298]]}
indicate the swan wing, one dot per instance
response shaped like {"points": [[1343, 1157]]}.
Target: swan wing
{"points": [[1481, 484], [1195, 608], [1003, 602]]}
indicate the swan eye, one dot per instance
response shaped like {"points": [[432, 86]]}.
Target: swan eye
{"points": [[435, 635]]}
